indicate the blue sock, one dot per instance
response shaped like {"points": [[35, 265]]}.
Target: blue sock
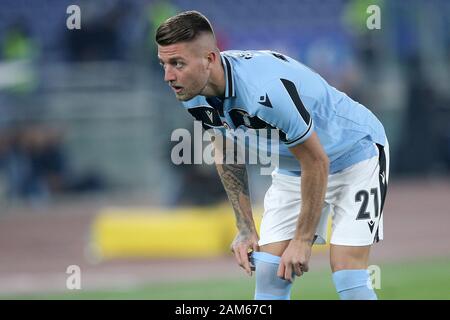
{"points": [[354, 285], [268, 285]]}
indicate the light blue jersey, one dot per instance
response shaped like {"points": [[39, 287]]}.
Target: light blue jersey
{"points": [[265, 89]]}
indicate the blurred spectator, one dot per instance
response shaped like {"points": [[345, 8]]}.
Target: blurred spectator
{"points": [[99, 37], [156, 13], [19, 49], [421, 125], [17, 43], [36, 166]]}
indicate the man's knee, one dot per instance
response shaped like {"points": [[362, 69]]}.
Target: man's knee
{"points": [[339, 265], [348, 258]]}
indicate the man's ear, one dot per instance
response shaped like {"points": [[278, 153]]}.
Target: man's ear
{"points": [[211, 58]]}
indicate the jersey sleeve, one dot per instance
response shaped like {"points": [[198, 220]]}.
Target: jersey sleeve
{"points": [[280, 105]]}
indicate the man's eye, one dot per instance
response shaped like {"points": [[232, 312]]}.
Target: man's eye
{"points": [[179, 65]]}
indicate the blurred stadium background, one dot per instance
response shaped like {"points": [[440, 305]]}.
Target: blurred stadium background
{"points": [[85, 122]]}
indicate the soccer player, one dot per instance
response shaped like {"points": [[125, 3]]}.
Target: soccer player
{"points": [[333, 156]]}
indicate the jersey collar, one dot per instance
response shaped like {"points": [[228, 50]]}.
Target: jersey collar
{"points": [[229, 81]]}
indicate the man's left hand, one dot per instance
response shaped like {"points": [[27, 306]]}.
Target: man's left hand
{"points": [[295, 259]]}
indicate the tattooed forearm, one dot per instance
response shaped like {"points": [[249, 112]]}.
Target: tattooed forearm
{"points": [[235, 181]]}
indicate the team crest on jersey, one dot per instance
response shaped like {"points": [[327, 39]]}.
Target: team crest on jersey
{"points": [[246, 119], [241, 117]]}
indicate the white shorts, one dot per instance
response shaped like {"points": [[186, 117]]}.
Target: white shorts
{"points": [[355, 198]]}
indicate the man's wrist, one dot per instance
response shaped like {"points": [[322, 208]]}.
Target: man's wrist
{"points": [[247, 230], [304, 239]]}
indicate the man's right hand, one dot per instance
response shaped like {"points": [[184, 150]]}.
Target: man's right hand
{"points": [[242, 244]]}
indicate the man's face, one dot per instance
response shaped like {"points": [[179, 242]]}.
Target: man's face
{"points": [[185, 69]]}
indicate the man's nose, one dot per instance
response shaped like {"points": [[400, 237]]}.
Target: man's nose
{"points": [[169, 75]]}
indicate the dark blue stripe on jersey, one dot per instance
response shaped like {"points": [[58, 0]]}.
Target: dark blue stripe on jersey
{"points": [[293, 93], [309, 128], [382, 177], [229, 78]]}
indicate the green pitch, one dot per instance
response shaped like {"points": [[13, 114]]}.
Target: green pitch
{"points": [[408, 280]]}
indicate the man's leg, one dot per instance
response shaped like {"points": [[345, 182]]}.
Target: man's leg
{"points": [[282, 205], [357, 223], [268, 285], [350, 275]]}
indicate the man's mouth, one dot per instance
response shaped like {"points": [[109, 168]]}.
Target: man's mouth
{"points": [[177, 89]]}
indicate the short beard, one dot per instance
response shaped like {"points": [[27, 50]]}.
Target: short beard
{"points": [[181, 98]]}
